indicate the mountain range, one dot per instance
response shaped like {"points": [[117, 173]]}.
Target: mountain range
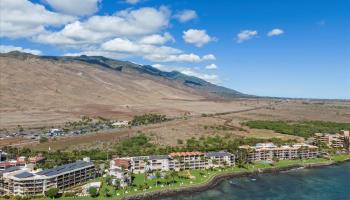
{"points": [[56, 88]]}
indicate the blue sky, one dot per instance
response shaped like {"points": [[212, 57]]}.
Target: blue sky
{"points": [[290, 48]]}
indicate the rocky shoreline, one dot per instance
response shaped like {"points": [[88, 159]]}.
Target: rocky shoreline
{"points": [[218, 179]]}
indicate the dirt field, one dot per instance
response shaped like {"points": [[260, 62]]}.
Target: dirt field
{"points": [[169, 132]]}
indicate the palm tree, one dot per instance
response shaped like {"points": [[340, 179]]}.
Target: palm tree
{"points": [[173, 175], [146, 169], [167, 177], [347, 143], [158, 175], [242, 159]]}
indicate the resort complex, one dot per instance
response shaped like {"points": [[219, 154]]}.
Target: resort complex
{"points": [[27, 181], [22, 176], [339, 140], [174, 161], [269, 151]]}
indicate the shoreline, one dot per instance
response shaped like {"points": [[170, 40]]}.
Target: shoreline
{"points": [[217, 179]]}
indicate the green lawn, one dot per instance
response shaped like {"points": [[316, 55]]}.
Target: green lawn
{"points": [[199, 177]]}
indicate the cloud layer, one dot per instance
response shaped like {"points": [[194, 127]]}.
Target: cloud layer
{"points": [[211, 66], [76, 7], [22, 18], [275, 32], [246, 35], [130, 33], [96, 29], [197, 37], [212, 78], [9, 48], [186, 15]]}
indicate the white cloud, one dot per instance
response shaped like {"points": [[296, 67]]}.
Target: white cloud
{"points": [[186, 15], [157, 39], [22, 18], [197, 37], [126, 33], [211, 66], [9, 48], [209, 57], [97, 29], [132, 1], [246, 35], [125, 47], [213, 78], [75, 7], [193, 58], [128, 46], [275, 32], [72, 35]]}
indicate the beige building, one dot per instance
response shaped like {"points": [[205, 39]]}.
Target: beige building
{"points": [[267, 151], [333, 140], [188, 160], [26, 181], [173, 161]]}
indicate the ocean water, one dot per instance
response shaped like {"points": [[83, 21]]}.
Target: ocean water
{"points": [[329, 183]]}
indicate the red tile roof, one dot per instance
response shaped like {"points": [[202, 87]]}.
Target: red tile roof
{"points": [[36, 159], [11, 164], [184, 154], [122, 163]]}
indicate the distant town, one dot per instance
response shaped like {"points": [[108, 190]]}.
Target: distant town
{"points": [[23, 176], [83, 126]]}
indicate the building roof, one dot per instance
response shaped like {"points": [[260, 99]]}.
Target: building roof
{"points": [[11, 169], [158, 157], [184, 154], [218, 154], [36, 159], [122, 163], [271, 146], [24, 175], [244, 146], [265, 145], [65, 168], [7, 164], [140, 158]]}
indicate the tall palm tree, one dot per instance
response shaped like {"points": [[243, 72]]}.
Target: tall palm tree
{"points": [[347, 143], [173, 175], [158, 175]]}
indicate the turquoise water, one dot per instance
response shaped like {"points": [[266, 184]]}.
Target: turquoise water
{"points": [[329, 183]]}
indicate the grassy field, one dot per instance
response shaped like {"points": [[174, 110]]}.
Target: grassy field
{"points": [[200, 177]]}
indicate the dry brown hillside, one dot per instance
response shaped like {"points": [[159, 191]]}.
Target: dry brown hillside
{"points": [[37, 91]]}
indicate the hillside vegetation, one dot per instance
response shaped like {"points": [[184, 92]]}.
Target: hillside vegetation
{"points": [[299, 128]]}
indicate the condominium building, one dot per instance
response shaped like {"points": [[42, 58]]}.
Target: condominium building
{"points": [[173, 161], [119, 169], [188, 160], [27, 181], [267, 151], [21, 161], [332, 140], [220, 158]]}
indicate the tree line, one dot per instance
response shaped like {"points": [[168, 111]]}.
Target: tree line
{"points": [[304, 129]]}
